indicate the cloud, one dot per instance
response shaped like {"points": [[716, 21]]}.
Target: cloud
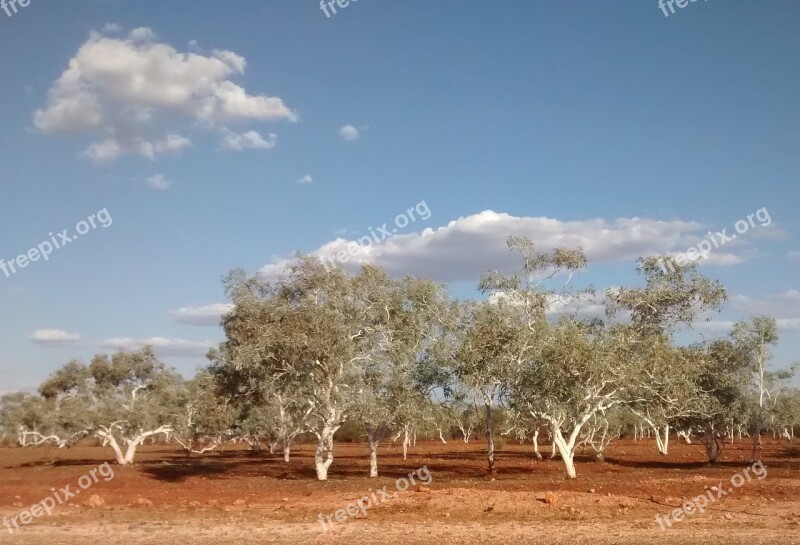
{"points": [[782, 304], [249, 140], [206, 315], [118, 91], [349, 133], [794, 255], [467, 247], [163, 346], [159, 182], [784, 307], [307, 179], [54, 338]]}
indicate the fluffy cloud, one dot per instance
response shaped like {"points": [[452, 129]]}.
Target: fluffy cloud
{"points": [[159, 182], [54, 337], [163, 346], [249, 140], [348, 133], [206, 315], [117, 90], [469, 246], [307, 179]]}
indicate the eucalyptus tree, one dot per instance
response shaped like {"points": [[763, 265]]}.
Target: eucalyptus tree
{"points": [[577, 377], [664, 378], [307, 333], [406, 320], [491, 345], [123, 399], [784, 412], [207, 417], [504, 337], [754, 338], [31, 419], [723, 383]]}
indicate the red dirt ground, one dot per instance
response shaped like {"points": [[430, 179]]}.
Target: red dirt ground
{"points": [[235, 496]]}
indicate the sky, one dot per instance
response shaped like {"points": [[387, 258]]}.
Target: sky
{"points": [[187, 139]]}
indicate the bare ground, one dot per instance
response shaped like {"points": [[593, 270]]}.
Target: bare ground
{"points": [[235, 496]]}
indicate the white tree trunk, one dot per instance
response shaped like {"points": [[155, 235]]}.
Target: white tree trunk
{"points": [[536, 444], [662, 443], [287, 447], [323, 456], [567, 452]]}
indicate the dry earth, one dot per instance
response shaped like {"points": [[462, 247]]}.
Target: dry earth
{"points": [[234, 496]]}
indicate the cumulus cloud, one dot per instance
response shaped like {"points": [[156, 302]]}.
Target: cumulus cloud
{"points": [[162, 346], [54, 337], [120, 91], [348, 133], [307, 179], [159, 182], [205, 315], [232, 141], [469, 246]]}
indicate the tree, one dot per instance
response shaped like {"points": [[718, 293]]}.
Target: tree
{"points": [[508, 337], [491, 346], [407, 318], [307, 333], [754, 337], [663, 376], [31, 418], [123, 400], [578, 376], [207, 418], [722, 384]]}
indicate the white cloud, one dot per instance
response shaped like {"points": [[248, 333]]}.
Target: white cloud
{"points": [[205, 315], [119, 91], [469, 246], [142, 34], [54, 337], [349, 133], [162, 346], [789, 323], [250, 140], [714, 327], [159, 182], [307, 179], [782, 304], [111, 28]]}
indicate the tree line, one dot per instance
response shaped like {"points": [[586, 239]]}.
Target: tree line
{"points": [[321, 348]]}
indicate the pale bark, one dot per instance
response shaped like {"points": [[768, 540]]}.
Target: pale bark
{"points": [[287, 447], [488, 402], [536, 444]]}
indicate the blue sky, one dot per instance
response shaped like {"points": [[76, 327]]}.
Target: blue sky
{"points": [[604, 124]]}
